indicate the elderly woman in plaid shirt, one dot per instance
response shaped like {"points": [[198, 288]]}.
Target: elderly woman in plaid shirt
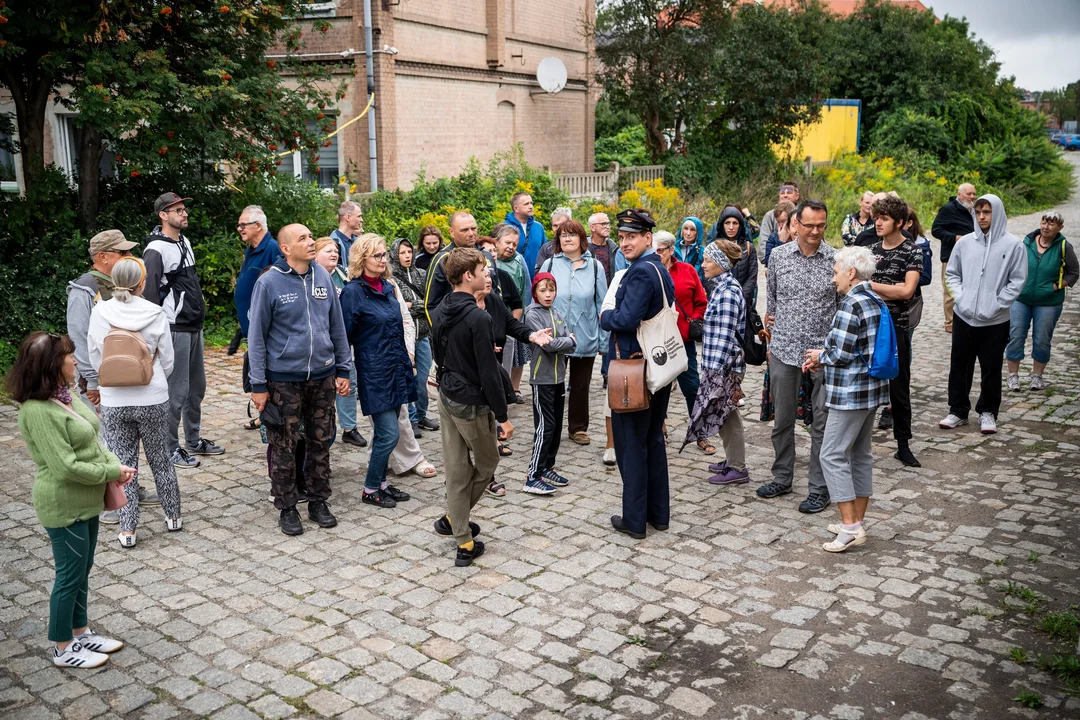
{"points": [[851, 395], [716, 406]]}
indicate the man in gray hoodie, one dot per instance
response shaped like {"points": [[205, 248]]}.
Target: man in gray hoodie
{"points": [[985, 275]]}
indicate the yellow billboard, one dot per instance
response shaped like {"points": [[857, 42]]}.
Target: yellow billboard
{"points": [[837, 130]]}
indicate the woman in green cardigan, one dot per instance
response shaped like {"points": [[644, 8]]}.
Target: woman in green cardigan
{"points": [[69, 488]]}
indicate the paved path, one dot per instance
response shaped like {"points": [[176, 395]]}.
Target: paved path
{"points": [[735, 612]]}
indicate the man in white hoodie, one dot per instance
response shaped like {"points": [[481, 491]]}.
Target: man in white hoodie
{"points": [[985, 275]]}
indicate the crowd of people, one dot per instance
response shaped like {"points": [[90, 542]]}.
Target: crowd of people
{"points": [[351, 322]]}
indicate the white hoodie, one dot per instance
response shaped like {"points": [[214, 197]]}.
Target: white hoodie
{"points": [[136, 315]]}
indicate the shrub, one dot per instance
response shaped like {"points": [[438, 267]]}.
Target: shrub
{"points": [[627, 147]]}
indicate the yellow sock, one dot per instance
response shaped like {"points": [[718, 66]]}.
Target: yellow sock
{"points": [[468, 546]]}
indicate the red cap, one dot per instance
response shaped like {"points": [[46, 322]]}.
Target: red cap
{"points": [[536, 280]]}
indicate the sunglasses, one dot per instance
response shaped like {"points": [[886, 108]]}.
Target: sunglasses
{"points": [[241, 226]]}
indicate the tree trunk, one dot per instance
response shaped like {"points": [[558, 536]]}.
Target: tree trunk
{"points": [[654, 135], [31, 97], [90, 150]]}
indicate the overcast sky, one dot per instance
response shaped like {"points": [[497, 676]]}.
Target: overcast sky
{"points": [[1038, 41]]}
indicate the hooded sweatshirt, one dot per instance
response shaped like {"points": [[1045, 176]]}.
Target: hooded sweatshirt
{"points": [[548, 364], [694, 253], [463, 345], [531, 237], [411, 282], [987, 271], [171, 281], [83, 293], [746, 270], [147, 319]]}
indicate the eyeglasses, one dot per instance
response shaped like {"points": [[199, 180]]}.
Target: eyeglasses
{"points": [[603, 224], [241, 226], [379, 256], [178, 211], [787, 189], [820, 227]]}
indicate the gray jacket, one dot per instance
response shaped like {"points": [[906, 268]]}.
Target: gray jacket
{"points": [[82, 295], [987, 271], [548, 364]]}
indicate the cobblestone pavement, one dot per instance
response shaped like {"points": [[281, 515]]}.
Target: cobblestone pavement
{"points": [[734, 612]]}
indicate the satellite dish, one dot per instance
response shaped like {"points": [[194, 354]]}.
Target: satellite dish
{"points": [[551, 74]]}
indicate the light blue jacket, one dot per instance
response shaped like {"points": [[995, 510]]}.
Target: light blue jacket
{"points": [[580, 294]]}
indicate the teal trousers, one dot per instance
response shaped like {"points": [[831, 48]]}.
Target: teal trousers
{"points": [[73, 553]]}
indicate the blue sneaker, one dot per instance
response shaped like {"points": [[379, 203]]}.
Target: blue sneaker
{"points": [[536, 486], [554, 478], [205, 447], [181, 459]]}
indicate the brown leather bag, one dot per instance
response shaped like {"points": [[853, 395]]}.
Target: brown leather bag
{"points": [[626, 383]]}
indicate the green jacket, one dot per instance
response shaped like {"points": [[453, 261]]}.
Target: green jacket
{"points": [[73, 466], [1056, 265]]}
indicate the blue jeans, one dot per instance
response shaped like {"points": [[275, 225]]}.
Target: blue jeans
{"points": [[418, 409], [383, 443], [604, 364], [346, 405], [1041, 319], [689, 380]]}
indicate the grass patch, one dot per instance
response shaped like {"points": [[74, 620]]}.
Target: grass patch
{"points": [[1062, 625], [1064, 667], [1033, 557], [637, 640], [1040, 446], [1001, 562], [1029, 700], [1019, 655], [1020, 592]]}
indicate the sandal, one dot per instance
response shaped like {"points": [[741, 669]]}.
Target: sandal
{"points": [[425, 470], [504, 451], [496, 488], [706, 447]]}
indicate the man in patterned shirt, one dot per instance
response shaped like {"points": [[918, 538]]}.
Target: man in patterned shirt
{"points": [[899, 268], [801, 302]]}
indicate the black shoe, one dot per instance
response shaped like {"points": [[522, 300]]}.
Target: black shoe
{"points": [[773, 489], [289, 522], [319, 511], [617, 523], [416, 431], [907, 457], [465, 557], [428, 424], [380, 498], [605, 382], [518, 398], [442, 526], [352, 437], [397, 495], [885, 421], [814, 503], [659, 527]]}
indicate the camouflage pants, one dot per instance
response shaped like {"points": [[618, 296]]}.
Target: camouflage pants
{"points": [[306, 407]]}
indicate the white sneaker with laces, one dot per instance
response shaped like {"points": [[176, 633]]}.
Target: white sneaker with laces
{"points": [[1012, 382], [127, 541], [76, 656], [1037, 382], [98, 643], [951, 421], [987, 423]]}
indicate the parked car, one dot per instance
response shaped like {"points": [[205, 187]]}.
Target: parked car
{"points": [[1071, 142], [1055, 137]]}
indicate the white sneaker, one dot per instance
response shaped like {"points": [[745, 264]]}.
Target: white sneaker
{"points": [[98, 643], [987, 423], [1037, 383], [1013, 382], [127, 541], [951, 421], [174, 524], [76, 656], [609, 456]]}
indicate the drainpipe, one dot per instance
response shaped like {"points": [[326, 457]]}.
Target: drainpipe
{"points": [[373, 163]]}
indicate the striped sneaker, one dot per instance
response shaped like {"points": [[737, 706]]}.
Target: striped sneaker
{"points": [[553, 478], [76, 656], [536, 486], [98, 643]]}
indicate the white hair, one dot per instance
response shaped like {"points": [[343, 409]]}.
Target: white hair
{"points": [[255, 214], [597, 217], [562, 212], [662, 237], [858, 258], [127, 275]]}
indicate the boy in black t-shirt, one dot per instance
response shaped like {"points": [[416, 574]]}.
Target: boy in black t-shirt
{"points": [[899, 268]]}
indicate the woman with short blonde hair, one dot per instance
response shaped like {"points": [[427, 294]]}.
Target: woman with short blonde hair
{"points": [[366, 246]]}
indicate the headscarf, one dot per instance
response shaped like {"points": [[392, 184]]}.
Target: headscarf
{"points": [[695, 248], [718, 256]]}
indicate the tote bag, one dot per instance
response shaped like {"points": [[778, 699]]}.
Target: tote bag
{"points": [[661, 342]]}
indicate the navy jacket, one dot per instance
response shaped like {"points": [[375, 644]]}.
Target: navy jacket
{"points": [[638, 298], [373, 323], [256, 259]]}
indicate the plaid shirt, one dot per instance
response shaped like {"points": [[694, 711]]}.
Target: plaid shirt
{"points": [[724, 317], [848, 351]]}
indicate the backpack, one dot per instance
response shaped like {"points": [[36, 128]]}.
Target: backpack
{"points": [[755, 352], [885, 364], [125, 360]]}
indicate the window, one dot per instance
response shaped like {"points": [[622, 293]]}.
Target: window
{"points": [[7, 158], [69, 136], [329, 165], [317, 9]]}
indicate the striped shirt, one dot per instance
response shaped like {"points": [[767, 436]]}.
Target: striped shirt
{"points": [[725, 316], [848, 352]]}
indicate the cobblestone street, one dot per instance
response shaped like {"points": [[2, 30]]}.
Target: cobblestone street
{"points": [[734, 612]]}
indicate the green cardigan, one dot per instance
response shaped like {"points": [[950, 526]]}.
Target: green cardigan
{"points": [[73, 466]]}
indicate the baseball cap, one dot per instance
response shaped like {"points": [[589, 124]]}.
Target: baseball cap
{"points": [[635, 221], [110, 241], [168, 200]]}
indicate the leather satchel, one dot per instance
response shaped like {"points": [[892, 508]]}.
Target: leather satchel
{"points": [[627, 391]]}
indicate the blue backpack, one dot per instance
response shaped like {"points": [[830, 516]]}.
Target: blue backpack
{"points": [[885, 363]]}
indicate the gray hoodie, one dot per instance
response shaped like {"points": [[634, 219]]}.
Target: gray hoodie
{"points": [[987, 271], [549, 362], [83, 294]]}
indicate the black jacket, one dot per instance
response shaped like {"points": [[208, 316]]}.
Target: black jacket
{"points": [[464, 349], [953, 221], [437, 286], [503, 323], [172, 283]]}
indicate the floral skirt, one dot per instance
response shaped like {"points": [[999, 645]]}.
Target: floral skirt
{"points": [[713, 404]]}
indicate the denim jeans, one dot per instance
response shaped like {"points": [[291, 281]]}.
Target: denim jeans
{"points": [[383, 442], [346, 405], [418, 409], [1041, 319]]}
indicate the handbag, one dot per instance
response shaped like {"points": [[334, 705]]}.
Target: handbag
{"points": [[627, 391], [753, 347], [696, 328], [661, 341], [114, 491]]}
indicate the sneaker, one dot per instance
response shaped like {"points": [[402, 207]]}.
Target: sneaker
{"points": [[206, 447], [416, 431], [289, 522], [885, 422], [442, 527], [1012, 382], [609, 456], [380, 498], [146, 498], [109, 517], [773, 489], [127, 541], [98, 643], [718, 467], [174, 524], [951, 421], [814, 503], [465, 557], [181, 459], [428, 424], [397, 495], [554, 478], [536, 486], [319, 511], [987, 423], [1037, 383], [352, 437], [76, 656], [730, 476]]}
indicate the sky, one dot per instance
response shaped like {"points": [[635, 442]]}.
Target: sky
{"points": [[1038, 41]]}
